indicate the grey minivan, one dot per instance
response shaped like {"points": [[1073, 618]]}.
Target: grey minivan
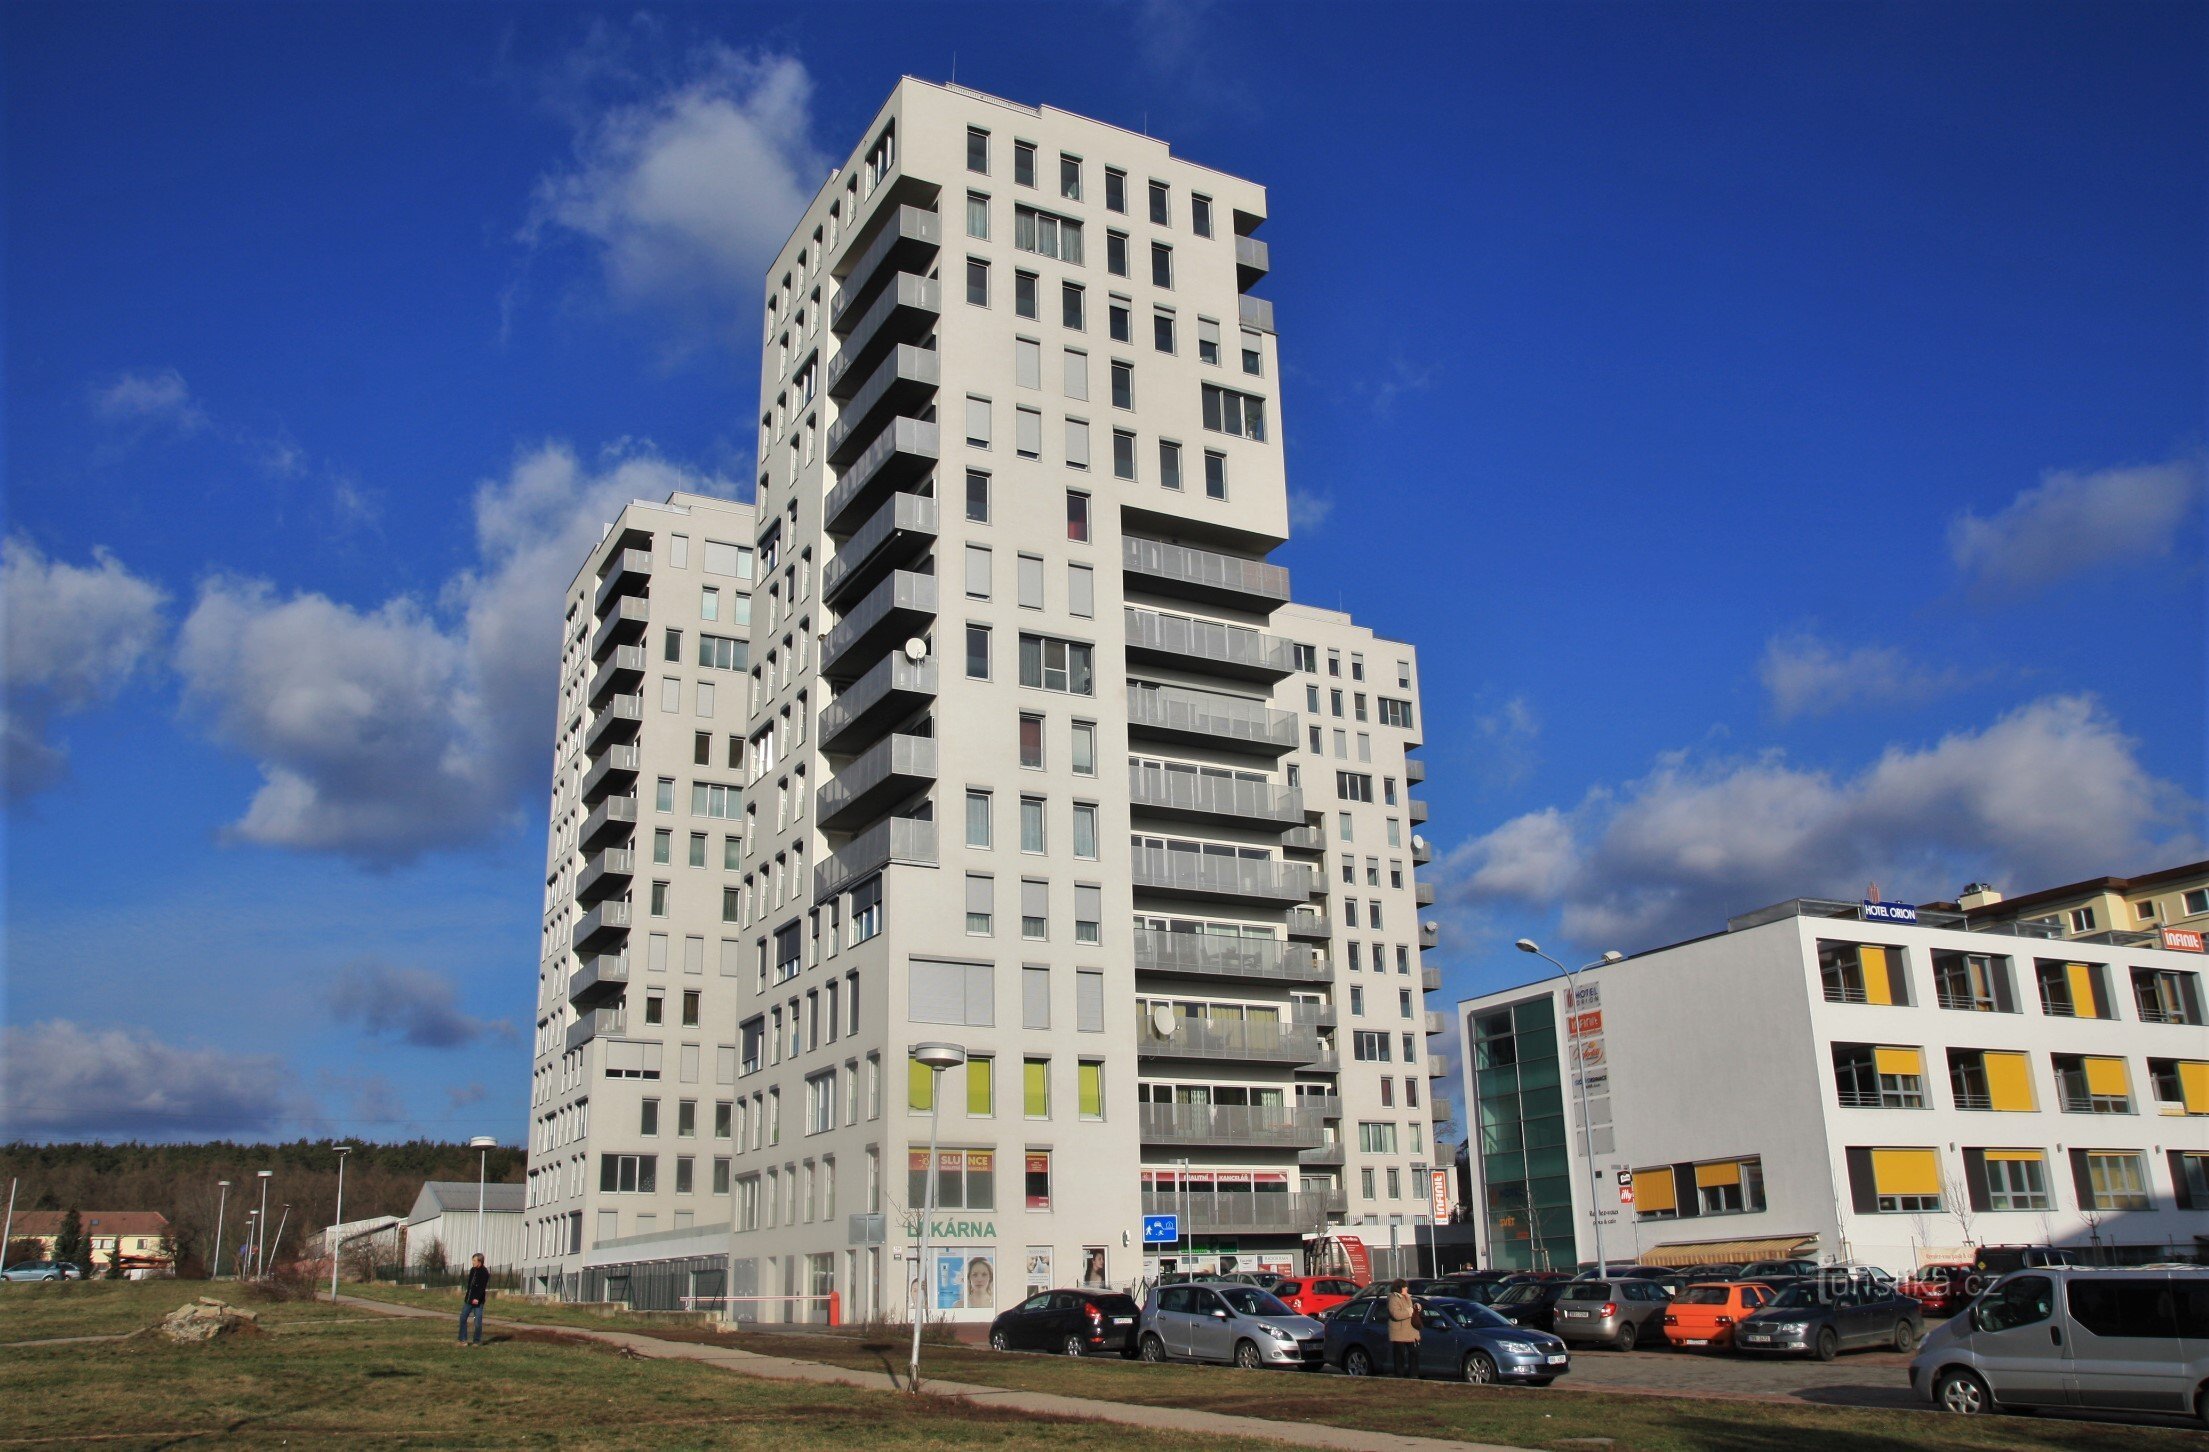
{"points": [[1218, 1321], [2120, 1340]]}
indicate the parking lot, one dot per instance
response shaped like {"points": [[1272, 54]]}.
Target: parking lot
{"points": [[1856, 1379]]}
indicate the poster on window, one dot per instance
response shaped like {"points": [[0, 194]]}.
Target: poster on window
{"points": [[966, 1280], [1092, 1266], [1039, 1267]]}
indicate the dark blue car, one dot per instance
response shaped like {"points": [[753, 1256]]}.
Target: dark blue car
{"points": [[1461, 1339]]}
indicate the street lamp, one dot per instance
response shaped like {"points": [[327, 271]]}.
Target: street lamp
{"points": [[485, 1143], [260, 1246], [935, 1058], [215, 1272], [252, 1244], [337, 1228], [1580, 1082]]}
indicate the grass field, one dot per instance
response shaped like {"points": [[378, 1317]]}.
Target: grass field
{"points": [[324, 1376]]}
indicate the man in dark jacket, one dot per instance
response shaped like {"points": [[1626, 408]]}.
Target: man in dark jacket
{"points": [[472, 1298]]}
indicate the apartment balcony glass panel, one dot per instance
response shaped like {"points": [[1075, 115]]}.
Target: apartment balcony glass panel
{"points": [[615, 815], [897, 534], [1193, 796], [1416, 810], [620, 719], [890, 692], [1208, 645], [1304, 839], [1217, 955], [1422, 893], [1253, 260], [613, 770], [894, 840], [1253, 1041], [628, 572], [601, 976], [901, 607], [902, 383], [605, 874], [1206, 575], [1226, 1212], [621, 623], [1254, 1126], [1181, 713], [1430, 980], [623, 671], [908, 238], [1315, 926], [887, 773], [906, 312], [594, 1023], [903, 453], [1230, 879], [1255, 312], [1438, 1022], [1329, 1152], [604, 923], [1415, 770]]}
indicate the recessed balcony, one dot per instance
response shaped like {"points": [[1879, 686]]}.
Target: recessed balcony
{"points": [[907, 240], [605, 924], [1311, 926], [904, 840], [624, 670], [899, 533], [601, 977], [605, 874], [1246, 1041], [891, 771], [1191, 796], [906, 312], [901, 607], [627, 572], [1188, 573], [1253, 260], [1207, 646], [1221, 879], [620, 719], [1233, 1126], [614, 769], [903, 383], [903, 453], [615, 815], [1209, 718], [1330, 1152], [890, 692], [622, 623], [1304, 839], [594, 1023], [1216, 955]]}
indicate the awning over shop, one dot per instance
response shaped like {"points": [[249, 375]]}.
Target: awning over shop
{"points": [[1730, 1252]]}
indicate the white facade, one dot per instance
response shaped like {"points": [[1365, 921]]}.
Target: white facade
{"points": [[1811, 1082]]}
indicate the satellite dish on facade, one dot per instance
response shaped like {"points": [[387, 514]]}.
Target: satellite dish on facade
{"points": [[916, 650], [1431, 926], [1418, 841], [1162, 1019]]}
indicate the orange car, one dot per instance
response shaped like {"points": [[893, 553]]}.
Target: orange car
{"points": [[1704, 1314], [1313, 1295]]}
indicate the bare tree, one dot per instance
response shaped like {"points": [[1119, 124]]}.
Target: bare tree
{"points": [[1958, 1196]]}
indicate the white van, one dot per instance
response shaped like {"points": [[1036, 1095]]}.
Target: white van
{"points": [[2134, 1339]]}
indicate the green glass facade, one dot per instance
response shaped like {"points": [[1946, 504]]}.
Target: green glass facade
{"points": [[1520, 1120]]}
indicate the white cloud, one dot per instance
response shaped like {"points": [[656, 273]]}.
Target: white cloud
{"points": [[61, 1080], [409, 1004], [1505, 741], [2070, 522], [386, 732], [75, 635], [1308, 510], [2048, 793], [1806, 676], [155, 398], [687, 193]]}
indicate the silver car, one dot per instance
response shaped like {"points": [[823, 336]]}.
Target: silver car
{"points": [[1219, 1321], [2118, 1340]]}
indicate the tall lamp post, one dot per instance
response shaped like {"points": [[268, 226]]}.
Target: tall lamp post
{"points": [[1580, 1082], [214, 1272], [484, 1144], [935, 1058], [337, 1227], [260, 1243], [252, 1244]]}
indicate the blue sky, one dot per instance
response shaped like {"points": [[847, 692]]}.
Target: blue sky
{"points": [[1780, 427]]}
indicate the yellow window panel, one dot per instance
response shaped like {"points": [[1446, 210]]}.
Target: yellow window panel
{"points": [[1089, 1087], [2009, 1081], [2193, 1085], [2032, 1157], [1906, 1171], [1709, 1177], [1037, 1088], [2081, 977], [2106, 1077], [1653, 1190], [1878, 986], [981, 1097], [1908, 1063], [920, 1087]]}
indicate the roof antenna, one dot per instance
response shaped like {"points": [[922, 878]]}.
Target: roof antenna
{"points": [[954, 68]]}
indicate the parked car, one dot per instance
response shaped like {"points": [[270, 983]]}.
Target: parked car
{"points": [[1457, 1288], [1614, 1313], [1532, 1304], [1822, 1319], [1073, 1323], [1943, 1288], [1263, 1280], [1460, 1339], [1416, 1285], [1591, 1272], [1314, 1295], [2131, 1340], [1705, 1314], [42, 1270], [2000, 1260], [1696, 1274], [1765, 1270], [1226, 1322]]}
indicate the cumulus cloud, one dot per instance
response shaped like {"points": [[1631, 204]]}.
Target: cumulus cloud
{"points": [[61, 1080], [2071, 521], [386, 732], [686, 192], [75, 636], [157, 398], [1806, 676], [2049, 792], [412, 1005]]}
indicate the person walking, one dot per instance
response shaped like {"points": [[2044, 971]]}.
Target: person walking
{"points": [[477, 1291], [1403, 1330]]}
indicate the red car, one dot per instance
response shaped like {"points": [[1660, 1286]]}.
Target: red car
{"points": [[1311, 1296], [1942, 1288]]}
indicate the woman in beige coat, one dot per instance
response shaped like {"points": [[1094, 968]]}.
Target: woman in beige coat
{"points": [[1403, 1330]]}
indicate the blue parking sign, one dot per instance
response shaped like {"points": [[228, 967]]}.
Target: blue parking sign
{"points": [[1161, 1229]]}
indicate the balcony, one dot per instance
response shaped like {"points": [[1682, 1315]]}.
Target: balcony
{"points": [[1430, 980], [1232, 1212], [1315, 926], [616, 768], [901, 454], [894, 840], [1422, 893], [1438, 1022], [606, 874], [1430, 935], [1189, 796], [1207, 718], [904, 382], [600, 977], [889, 772], [1304, 839], [615, 814], [1225, 879], [909, 237], [1415, 809], [900, 532], [601, 925], [592, 1023], [624, 671], [1255, 312], [1328, 1153], [620, 719], [903, 605], [1208, 646], [1203, 575], [1422, 852], [1252, 1126], [893, 690], [1253, 260], [623, 624], [1415, 770], [1271, 1041], [906, 312], [1214, 955], [628, 572]]}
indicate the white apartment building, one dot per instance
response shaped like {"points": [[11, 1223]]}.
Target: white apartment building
{"points": [[1020, 764], [1822, 1079]]}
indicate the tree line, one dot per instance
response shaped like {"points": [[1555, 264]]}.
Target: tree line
{"points": [[182, 1182]]}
